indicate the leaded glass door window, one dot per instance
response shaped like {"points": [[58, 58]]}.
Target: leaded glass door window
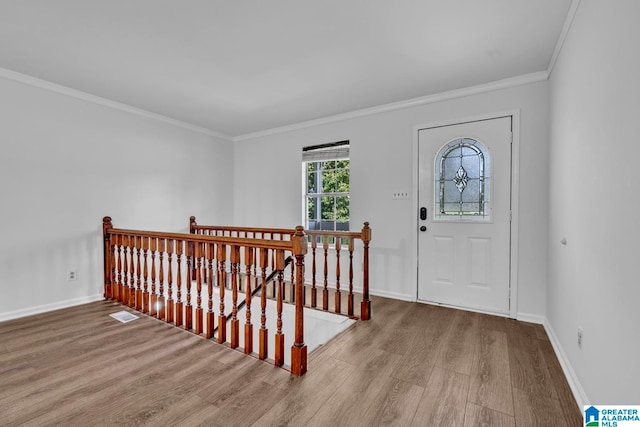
{"points": [[462, 181]]}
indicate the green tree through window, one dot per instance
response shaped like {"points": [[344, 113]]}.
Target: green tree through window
{"points": [[327, 195]]}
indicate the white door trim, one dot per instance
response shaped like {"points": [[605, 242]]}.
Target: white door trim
{"points": [[515, 186]]}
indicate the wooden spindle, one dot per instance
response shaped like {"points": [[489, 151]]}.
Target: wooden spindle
{"points": [[365, 305], [124, 270], [235, 323], [325, 291], [117, 288], [279, 337], [138, 245], [199, 310], [338, 295], [222, 279], [188, 308], [153, 245], [292, 283], [314, 291], [132, 273], [210, 314], [299, 348], [169, 303], [263, 333], [203, 266], [350, 298], [273, 268], [145, 275], [179, 306], [248, 326], [160, 301]]}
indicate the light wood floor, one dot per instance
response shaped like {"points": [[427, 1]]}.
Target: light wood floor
{"points": [[412, 364]]}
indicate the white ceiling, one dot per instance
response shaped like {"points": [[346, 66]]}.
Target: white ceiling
{"points": [[242, 66]]}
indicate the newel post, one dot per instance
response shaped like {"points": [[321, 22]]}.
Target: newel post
{"points": [[192, 224], [106, 236], [365, 305], [299, 348]]}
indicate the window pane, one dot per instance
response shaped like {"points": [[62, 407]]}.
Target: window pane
{"points": [[328, 226], [470, 208], [472, 191], [311, 182], [451, 165], [472, 166], [342, 209], [312, 208], [451, 209], [328, 180], [328, 207]]}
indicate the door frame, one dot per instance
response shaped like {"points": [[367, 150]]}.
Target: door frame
{"points": [[515, 190]]}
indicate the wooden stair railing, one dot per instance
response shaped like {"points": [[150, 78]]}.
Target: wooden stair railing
{"points": [[318, 240], [144, 270]]}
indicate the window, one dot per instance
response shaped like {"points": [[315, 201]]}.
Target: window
{"points": [[326, 183], [462, 181]]}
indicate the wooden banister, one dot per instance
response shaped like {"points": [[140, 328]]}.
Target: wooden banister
{"points": [[319, 240], [145, 269]]}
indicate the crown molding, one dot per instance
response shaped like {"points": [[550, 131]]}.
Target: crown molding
{"points": [[84, 96], [413, 102], [573, 7]]}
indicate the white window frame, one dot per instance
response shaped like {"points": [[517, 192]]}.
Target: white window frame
{"points": [[323, 153]]}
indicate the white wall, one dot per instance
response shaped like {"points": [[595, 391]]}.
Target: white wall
{"points": [[65, 163], [594, 184], [267, 183]]}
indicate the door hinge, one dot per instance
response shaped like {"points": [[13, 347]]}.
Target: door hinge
{"points": [[511, 138], [510, 216]]}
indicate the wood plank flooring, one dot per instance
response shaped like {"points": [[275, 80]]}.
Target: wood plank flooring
{"points": [[412, 364]]}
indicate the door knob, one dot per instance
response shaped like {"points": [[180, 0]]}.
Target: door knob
{"points": [[423, 228]]}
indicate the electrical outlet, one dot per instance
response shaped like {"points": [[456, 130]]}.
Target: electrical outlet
{"points": [[72, 274], [579, 336], [400, 195]]}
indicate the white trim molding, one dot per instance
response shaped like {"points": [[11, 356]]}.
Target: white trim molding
{"points": [[569, 373], [413, 102], [392, 295], [428, 99], [531, 318], [49, 307], [515, 188], [573, 7], [84, 96]]}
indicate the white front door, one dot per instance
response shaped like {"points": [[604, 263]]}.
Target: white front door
{"points": [[464, 216]]}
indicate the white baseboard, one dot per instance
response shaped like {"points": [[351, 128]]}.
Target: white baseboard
{"points": [[392, 295], [569, 373], [531, 318], [48, 307]]}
